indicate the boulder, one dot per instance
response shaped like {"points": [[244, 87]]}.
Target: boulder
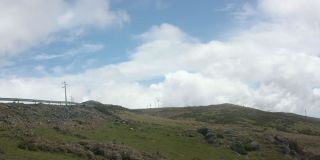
{"points": [[209, 135], [210, 138], [228, 131], [285, 149], [280, 140], [238, 147], [252, 146]]}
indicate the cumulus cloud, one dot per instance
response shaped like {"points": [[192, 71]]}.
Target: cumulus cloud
{"points": [[183, 88], [25, 23], [272, 65]]}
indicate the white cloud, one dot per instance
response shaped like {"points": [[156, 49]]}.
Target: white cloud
{"points": [[84, 48], [45, 56], [165, 32], [91, 48], [182, 88], [25, 23], [271, 66], [291, 10]]}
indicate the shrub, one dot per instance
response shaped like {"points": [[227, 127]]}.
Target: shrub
{"points": [[293, 145], [219, 135], [1, 151], [203, 131]]}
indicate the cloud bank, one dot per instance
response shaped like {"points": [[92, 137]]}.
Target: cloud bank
{"points": [[271, 65], [26, 23]]}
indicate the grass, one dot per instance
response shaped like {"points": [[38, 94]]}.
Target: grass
{"points": [[9, 146], [154, 138], [51, 134], [172, 133]]}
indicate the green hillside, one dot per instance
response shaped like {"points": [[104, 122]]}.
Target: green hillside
{"points": [[97, 131]]}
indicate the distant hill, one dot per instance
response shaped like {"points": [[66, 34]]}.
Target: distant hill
{"points": [[93, 130], [234, 114]]}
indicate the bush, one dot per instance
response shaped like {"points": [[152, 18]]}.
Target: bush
{"points": [[293, 145], [315, 157], [203, 131], [219, 135], [309, 132]]}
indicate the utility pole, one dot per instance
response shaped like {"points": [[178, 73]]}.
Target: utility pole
{"points": [[65, 92]]}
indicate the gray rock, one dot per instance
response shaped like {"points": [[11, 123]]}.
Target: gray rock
{"points": [[252, 146], [228, 131], [280, 140], [211, 138], [285, 149], [238, 147]]}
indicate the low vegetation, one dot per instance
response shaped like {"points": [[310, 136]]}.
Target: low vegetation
{"points": [[97, 131]]}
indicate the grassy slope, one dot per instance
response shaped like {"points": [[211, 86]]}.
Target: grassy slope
{"points": [[159, 137], [237, 115], [250, 122], [165, 131]]}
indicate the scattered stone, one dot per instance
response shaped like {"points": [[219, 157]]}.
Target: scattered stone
{"points": [[209, 136], [287, 146], [89, 150]]}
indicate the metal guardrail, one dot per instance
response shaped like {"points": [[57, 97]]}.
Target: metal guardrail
{"points": [[18, 100]]}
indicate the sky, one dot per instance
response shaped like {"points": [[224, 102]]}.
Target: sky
{"points": [[263, 54]]}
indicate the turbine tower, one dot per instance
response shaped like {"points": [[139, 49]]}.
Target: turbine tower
{"points": [[65, 92]]}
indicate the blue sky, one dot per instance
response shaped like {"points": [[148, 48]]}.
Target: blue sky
{"points": [[260, 53], [206, 20]]}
